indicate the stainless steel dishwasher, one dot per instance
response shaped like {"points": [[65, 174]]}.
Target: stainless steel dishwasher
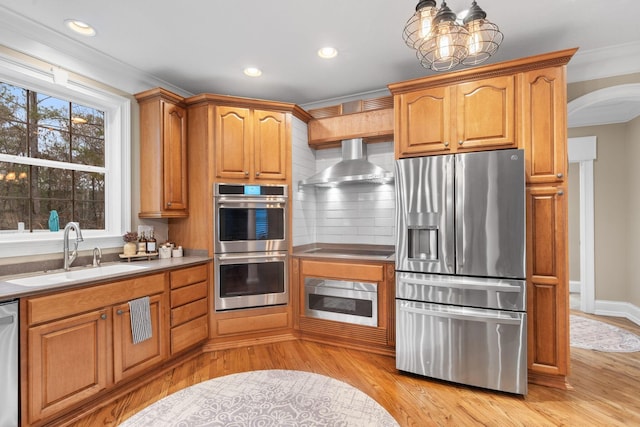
{"points": [[9, 364]]}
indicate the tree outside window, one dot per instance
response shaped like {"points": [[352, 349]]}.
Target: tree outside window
{"points": [[52, 157]]}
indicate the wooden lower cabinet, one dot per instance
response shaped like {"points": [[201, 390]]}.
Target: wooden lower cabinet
{"points": [[67, 363], [547, 286], [129, 358], [78, 343], [379, 338]]}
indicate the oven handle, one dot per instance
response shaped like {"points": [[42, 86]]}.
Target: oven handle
{"points": [[242, 200], [250, 256], [463, 313]]}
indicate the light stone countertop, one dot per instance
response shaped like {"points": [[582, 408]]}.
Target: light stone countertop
{"points": [[10, 291]]}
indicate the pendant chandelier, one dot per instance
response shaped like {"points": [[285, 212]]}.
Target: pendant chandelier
{"points": [[441, 43]]}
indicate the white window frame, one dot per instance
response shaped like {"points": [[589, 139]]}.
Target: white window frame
{"points": [[117, 122]]}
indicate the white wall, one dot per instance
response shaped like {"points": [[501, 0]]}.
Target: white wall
{"points": [[303, 203]]}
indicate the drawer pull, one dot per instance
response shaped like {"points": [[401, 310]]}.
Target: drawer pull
{"points": [[103, 316], [560, 175], [119, 312]]}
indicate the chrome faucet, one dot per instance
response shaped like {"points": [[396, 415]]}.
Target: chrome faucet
{"points": [[68, 259]]}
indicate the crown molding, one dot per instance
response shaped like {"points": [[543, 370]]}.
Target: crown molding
{"points": [[25, 36], [604, 62]]}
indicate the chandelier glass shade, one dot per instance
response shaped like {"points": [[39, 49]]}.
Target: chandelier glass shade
{"points": [[442, 43]]}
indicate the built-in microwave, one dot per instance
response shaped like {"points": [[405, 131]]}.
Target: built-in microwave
{"points": [[250, 218]]}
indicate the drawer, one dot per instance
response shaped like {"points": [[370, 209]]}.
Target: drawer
{"points": [[188, 312], [341, 270], [188, 276], [189, 334], [252, 323], [188, 294]]}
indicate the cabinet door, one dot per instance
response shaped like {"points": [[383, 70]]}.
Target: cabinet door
{"points": [[485, 114], [130, 358], [423, 122], [67, 362], [545, 127], [233, 142], [270, 145], [547, 289], [175, 156]]}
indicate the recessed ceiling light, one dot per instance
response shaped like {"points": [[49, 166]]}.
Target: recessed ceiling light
{"points": [[80, 27], [327, 52], [253, 72]]}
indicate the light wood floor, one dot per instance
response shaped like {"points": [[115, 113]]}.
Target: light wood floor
{"points": [[606, 387]]}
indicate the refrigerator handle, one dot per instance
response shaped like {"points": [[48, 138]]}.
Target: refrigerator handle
{"points": [[460, 214]]}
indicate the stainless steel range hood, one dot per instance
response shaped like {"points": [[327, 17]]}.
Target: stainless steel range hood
{"points": [[353, 168]]}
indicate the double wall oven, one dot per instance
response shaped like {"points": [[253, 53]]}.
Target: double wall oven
{"points": [[251, 246]]}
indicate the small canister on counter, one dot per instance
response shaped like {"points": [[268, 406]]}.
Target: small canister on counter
{"points": [[164, 252], [177, 252]]}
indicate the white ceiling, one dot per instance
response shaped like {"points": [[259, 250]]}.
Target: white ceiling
{"points": [[198, 46]]}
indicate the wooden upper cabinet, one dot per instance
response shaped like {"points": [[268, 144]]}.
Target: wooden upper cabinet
{"points": [[472, 116], [175, 157], [270, 145], [251, 144], [423, 122], [544, 124], [485, 114], [163, 155], [232, 142]]}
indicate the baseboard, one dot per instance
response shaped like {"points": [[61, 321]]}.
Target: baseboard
{"points": [[618, 309], [574, 286]]}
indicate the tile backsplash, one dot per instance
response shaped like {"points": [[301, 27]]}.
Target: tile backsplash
{"points": [[354, 213]]}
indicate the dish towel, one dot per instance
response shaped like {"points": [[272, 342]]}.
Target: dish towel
{"points": [[140, 312]]}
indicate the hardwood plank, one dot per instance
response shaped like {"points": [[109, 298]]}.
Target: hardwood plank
{"points": [[604, 387]]}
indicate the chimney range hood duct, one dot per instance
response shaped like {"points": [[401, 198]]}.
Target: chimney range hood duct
{"points": [[353, 168]]}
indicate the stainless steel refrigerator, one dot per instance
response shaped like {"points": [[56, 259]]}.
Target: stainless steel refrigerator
{"points": [[460, 269]]}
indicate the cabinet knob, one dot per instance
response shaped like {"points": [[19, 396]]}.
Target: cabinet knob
{"points": [[103, 316], [257, 173], [461, 142], [560, 192], [119, 312], [446, 143], [560, 175], [246, 173], [168, 203]]}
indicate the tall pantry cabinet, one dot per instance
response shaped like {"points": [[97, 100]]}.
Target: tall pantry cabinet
{"points": [[240, 141], [519, 103]]}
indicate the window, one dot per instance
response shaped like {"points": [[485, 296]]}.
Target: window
{"points": [[51, 159], [64, 148]]}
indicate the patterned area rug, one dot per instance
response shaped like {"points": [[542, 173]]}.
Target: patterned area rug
{"points": [[595, 335], [265, 398]]}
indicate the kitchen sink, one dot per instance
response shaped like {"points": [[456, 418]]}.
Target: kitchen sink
{"points": [[48, 279]]}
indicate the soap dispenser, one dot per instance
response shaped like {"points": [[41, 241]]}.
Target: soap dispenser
{"points": [[54, 222]]}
